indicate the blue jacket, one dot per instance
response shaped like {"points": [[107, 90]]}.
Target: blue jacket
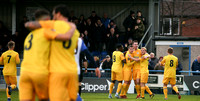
{"points": [[195, 67]]}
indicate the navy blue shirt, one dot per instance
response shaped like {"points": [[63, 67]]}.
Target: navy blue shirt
{"points": [[196, 67]]}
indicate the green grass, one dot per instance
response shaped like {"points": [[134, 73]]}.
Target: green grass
{"points": [[104, 97]]}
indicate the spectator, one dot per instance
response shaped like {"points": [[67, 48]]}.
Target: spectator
{"points": [[23, 31], [158, 66], [96, 59], [72, 17], [139, 30], [99, 37], [152, 62], [107, 64], [78, 26], [139, 15], [93, 18], [82, 23], [112, 25], [4, 35], [130, 42], [179, 68], [91, 35], [86, 39], [196, 65], [18, 41], [129, 24], [105, 20], [111, 40]]}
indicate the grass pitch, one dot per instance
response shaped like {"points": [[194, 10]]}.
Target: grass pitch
{"points": [[104, 97]]}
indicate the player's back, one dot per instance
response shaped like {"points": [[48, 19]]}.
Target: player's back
{"points": [[171, 63], [137, 54], [62, 57], [10, 60], [117, 61], [144, 63], [36, 52]]}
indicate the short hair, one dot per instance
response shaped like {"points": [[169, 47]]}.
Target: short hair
{"points": [[130, 46], [152, 53], [170, 50], [135, 41], [132, 12], [144, 48], [11, 44], [63, 9], [40, 13], [139, 11], [118, 46]]}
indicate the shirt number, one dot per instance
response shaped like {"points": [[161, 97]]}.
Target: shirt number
{"points": [[30, 43], [171, 63], [67, 46], [9, 57], [114, 58]]}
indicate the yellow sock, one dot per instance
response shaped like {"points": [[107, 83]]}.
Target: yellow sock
{"points": [[148, 90], [165, 91], [111, 88], [13, 86], [8, 96], [126, 89], [175, 89], [142, 91], [137, 87], [119, 87], [123, 89]]}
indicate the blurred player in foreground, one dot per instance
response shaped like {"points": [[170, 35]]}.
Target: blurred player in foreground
{"points": [[80, 50], [170, 62], [144, 72], [116, 71], [10, 59], [34, 69]]}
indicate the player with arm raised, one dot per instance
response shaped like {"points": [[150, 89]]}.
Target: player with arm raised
{"points": [[127, 74], [144, 72], [170, 62], [10, 59], [116, 70]]}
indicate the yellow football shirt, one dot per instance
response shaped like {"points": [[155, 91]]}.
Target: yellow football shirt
{"points": [[117, 61], [171, 63], [137, 54], [144, 64], [127, 66], [10, 59], [36, 52], [62, 57]]}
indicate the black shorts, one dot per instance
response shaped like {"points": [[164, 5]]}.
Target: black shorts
{"points": [[81, 75]]}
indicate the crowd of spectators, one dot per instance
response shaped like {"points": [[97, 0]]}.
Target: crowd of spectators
{"points": [[99, 34]]}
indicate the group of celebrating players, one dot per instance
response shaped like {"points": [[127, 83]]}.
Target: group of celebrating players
{"points": [[49, 69], [133, 64]]}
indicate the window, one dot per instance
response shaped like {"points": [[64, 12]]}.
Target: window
{"points": [[167, 26]]}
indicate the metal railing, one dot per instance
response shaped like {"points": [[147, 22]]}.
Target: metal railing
{"points": [[145, 36], [149, 70]]}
